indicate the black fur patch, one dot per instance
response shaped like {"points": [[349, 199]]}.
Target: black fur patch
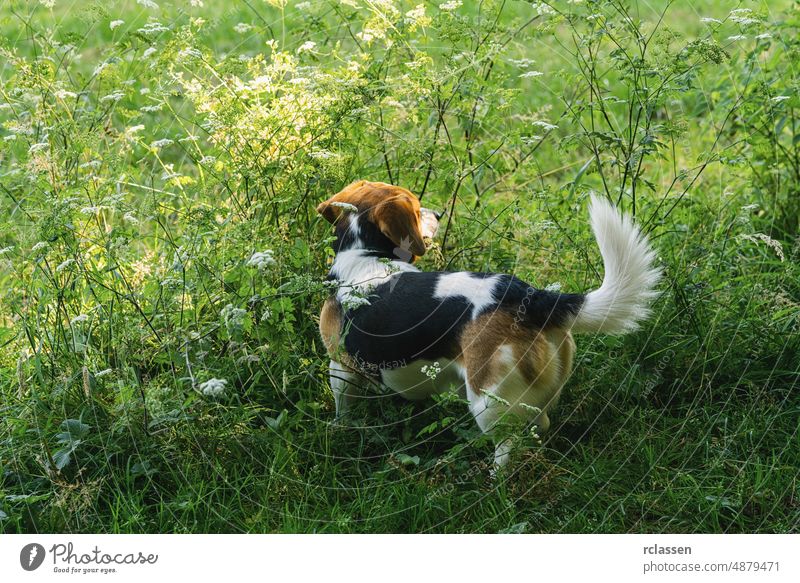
{"points": [[405, 322]]}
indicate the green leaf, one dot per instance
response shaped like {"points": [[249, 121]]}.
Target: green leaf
{"points": [[407, 460]]}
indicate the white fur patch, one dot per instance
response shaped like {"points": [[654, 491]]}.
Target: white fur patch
{"points": [[357, 273], [422, 378], [479, 291]]}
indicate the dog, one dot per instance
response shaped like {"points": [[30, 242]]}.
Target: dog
{"points": [[507, 346]]}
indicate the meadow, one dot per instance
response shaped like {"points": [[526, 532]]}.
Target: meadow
{"points": [[162, 266]]}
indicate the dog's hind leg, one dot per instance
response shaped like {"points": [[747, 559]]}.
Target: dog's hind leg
{"points": [[513, 374]]}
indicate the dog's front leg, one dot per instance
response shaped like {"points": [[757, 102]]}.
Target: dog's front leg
{"points": [[345, 384]]}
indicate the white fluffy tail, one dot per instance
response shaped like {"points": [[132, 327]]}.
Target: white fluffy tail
{"points": [[623, 300]]}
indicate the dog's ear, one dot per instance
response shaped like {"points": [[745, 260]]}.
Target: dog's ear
{"points": [[329, 211], [348, 199], [398, 219]]}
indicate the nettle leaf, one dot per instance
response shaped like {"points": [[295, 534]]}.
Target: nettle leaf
{"points": [[275, 423], [72, 430], [407, 460], [62, 457]]}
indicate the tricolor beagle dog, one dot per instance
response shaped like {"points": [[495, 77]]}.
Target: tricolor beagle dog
{"points": [[507, 345]]}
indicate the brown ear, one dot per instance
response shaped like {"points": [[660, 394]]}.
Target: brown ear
{"points": [[398, 220], [330, 212]]}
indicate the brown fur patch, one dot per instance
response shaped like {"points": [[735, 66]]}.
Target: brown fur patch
{"points": [[543, 363], [394, 210]]}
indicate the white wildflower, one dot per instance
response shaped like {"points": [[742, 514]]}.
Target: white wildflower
{"points": [[353, 302], [527, 74], [150, 108], [115, 24], [346, 206], [41, 245], [779, 98], [306, 47], [158, 144], [90, 210], [450, 5], [213, 387], [130, 218], [417, 17], [190, 52], [64, 265], [545, 125], [261, 260], [152, 28], [233, 318], [707, 20], [134, 129], [522, 63], [148, 4], [101, 373], [553, 287], [763, 36], [5, 250], [196, 3], [79, 318], [242, 27], [303, 6], [47, 3], [115, 96], [737, 37], [542, 8], [62, 94], [38, 147], [149, 52], [431, 370]]}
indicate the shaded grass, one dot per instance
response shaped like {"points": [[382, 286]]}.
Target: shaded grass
{"points": [[690, 425]]}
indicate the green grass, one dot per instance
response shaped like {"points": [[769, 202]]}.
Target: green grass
{"points": [[119, 259]]}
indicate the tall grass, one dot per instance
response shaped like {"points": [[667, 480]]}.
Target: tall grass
{"points": [[162, 266]]}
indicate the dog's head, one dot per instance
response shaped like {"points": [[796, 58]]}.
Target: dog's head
{"points": [[393, 210]]}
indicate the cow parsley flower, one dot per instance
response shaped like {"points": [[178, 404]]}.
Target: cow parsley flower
{"points": [[158, 144], [545, 125], [431, 370], [450, 5], [346, 206], [213, 387], [79, 318], [261, 260], [64, 265], [115, 24], [352, 301], [306, 47], [233, 318]]}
